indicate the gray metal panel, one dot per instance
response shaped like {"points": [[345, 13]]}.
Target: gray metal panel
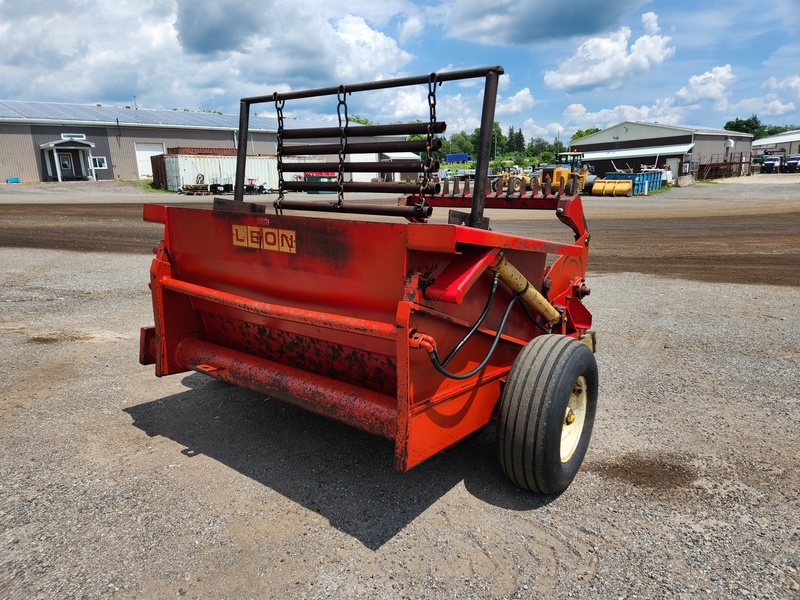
{"points": [[16, 155], [638, 130], [124, 140], [787, 137], [675, 150]]}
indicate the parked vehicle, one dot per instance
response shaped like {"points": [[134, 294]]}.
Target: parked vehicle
{"points": [[792, 164], [772, 164]]}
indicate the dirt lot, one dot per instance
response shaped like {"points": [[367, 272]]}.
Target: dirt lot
{"points": [[742, 231], [114, 482]]}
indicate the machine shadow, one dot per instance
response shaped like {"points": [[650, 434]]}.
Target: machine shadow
{"points": [[341, 473]]}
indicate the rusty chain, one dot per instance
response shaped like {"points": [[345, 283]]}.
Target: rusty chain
{"points": [[279, 104], [426, 176], [341, 112]]}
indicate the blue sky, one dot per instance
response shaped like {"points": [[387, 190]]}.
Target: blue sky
{"points": [[569, 65]]}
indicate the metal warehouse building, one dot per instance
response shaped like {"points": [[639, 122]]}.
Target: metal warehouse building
{"points": [[788, 140], [43, 141], [698, 151]]}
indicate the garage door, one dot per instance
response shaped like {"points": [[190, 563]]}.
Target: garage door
{"points": [[143, 154]]}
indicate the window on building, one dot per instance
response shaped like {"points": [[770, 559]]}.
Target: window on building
{"points": [[99, 162], [73, 136]]}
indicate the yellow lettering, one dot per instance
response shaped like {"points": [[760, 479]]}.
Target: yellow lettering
{"points": [[270, 239], [279, 240], [287, 241], [239, 235], [254, 237]]}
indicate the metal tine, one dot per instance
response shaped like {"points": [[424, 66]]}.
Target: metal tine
{"points": [[466, 187], [456, 187], [547, 183], [446, 188]]}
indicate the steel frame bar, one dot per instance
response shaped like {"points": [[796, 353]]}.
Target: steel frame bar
{"points": [[377, 329]]}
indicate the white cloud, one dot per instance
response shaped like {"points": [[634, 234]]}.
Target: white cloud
{"points": [[368, 53], [790, 83], [712, 85], [769, 105], [662, 111], [516, 104], [606, 62], [650, 22], [462, 113], [411, 28], [169, 57], [403, 104], [532, 130]]}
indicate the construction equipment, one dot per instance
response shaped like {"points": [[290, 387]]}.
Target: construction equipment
{"points": [[570, 169], [419, 332], [514, 177], [612, 187]]}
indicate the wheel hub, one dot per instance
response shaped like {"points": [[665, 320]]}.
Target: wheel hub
{"points": [[574, 418]]}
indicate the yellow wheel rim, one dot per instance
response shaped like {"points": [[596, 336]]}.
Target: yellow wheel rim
{"points": [[574, 418]]}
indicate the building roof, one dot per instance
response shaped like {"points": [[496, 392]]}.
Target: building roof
{"points": [[694, 129], [677, 129], [67, 145], [782, 138], [673, 150], [54, 113]]}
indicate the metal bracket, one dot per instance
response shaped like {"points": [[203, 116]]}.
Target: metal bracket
{"points": [[455, 217]]}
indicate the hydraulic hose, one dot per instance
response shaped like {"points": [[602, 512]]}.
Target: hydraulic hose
{"points": [[434, 355], [475, 327]]}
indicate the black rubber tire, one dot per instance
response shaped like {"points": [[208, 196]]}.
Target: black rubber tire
{"points": [[587, 187], [570, 187], [533, 410]]}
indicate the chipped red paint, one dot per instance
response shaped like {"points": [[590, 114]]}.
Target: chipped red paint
{"points": [[336, 317]]}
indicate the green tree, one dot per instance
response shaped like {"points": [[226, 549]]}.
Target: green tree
{"points": [[537, 145], [584, 132], [546, 158], [474, 139], [776, 129], [519, 142], [751, 125], [754, 126], [499, 141], [460, 142], [358, 119]]}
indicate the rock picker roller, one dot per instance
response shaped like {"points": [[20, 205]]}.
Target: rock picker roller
{"points": [[419, 332]]}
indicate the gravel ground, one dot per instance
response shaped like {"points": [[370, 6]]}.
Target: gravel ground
{"points": [[116, 483]]}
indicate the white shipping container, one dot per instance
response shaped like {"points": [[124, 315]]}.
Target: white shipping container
{"points": [[189, 169], [186, 169]]}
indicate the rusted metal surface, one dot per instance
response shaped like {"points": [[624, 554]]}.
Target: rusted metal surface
{"points": [[284, 313], [373, 412], [339, 303], [349, 319]]}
